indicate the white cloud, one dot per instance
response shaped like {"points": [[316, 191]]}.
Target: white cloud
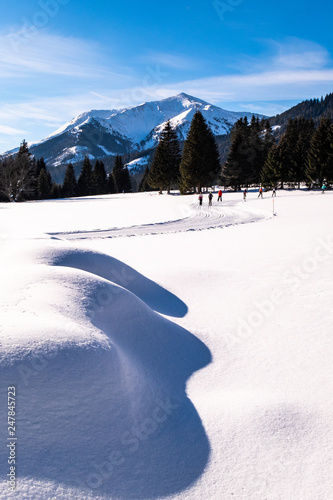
{"points": [[264, 86], [49, 54], [6, 130], [50, 111], [169, 60], [294, 69], [47, 79], [299, 54]]}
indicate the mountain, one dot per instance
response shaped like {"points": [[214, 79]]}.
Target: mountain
{"points": [[130, 131]]}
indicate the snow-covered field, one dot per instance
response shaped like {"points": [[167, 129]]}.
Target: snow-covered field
{"points": [[158, 350]]}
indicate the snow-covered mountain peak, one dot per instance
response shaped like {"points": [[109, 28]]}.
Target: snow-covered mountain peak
{"points": [[136, 122]]}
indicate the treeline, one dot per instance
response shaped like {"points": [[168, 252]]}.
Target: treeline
{"points": [[95, 181], [23, 178], [304, 154], [197, 166]]}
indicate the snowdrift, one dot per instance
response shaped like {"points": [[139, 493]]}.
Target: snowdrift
{"points": [[101, 377]]}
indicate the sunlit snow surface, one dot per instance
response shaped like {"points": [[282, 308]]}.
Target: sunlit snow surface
{"points": [[162, 350]]}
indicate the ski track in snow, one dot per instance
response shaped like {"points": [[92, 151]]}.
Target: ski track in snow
{"points": [[218, 216]]}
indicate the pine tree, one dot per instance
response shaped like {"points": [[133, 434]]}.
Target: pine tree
{"points": [[329, 173], [232, 174], [255, 152], [144, 184], [44, 184], [40, 165], [164, 170], [56, 191], [268, 140], [320, 160], [200, 160], [127, 185], [69, 187], [6, 172], [121, 176], [100, 177], [245, 159], [24, 149], [22, 180], [305, 131], [117, 173], [270, 174], [287, 145], [110, 184], [85, 182]]}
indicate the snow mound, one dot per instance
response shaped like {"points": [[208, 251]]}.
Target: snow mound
{"points": [[102, 404]]}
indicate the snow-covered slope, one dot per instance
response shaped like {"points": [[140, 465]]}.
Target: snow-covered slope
{"points": [[193, 365], [138, 165], [101, 133]]}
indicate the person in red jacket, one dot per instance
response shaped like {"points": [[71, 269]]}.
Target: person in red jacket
{"points": [[219, 197]]}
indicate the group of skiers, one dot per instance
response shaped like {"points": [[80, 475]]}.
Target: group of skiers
{"points": [[260, 194], [220, 193]]}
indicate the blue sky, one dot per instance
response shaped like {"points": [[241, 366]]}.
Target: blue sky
{"points": [[59, 58]]}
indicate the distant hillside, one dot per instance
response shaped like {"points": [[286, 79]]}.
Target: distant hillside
{"points": [[312, 108]]}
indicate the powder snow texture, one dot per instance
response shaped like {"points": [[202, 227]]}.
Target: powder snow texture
{"points": [[111, 399]]}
